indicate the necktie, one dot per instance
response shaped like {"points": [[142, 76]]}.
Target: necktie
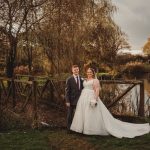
{"points": [[78, 82]]}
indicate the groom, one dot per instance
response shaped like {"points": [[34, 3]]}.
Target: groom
{"points": [[74, 86]]}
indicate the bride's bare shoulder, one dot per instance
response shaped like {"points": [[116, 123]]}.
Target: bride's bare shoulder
{"points": [[96, 80]]}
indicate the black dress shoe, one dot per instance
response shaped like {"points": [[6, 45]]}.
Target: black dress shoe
{"points": [[69, 131]]}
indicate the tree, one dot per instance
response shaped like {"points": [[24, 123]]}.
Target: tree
{"points": [[60, 33], [81, 30], [146, 48], [67, 31], [13, 14], [104, 38]]}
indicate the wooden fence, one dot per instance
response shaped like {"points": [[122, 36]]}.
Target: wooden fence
{"points": [[32, 90]]}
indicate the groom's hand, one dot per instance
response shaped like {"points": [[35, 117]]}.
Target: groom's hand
{"points": [[68, 104]]}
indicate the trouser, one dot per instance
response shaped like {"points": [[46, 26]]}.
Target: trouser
{"points": [[70, 115]]}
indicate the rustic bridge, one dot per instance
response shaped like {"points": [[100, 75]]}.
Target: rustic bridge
{"points": [[31, 89]]}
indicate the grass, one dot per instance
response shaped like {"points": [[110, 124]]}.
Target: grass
{"points": [[61, 140], [24, 140]]}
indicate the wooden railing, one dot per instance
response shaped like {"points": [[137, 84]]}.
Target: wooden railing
{"points": [[12, 89], [132, 83], [30, 89]]}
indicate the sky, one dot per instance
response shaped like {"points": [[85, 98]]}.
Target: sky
{"points": [[133, 16]]}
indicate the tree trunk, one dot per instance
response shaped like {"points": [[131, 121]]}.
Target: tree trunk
{"points": [[11, 56]]}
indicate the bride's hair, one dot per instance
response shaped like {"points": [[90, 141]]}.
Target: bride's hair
{"points": [[93, 71]]}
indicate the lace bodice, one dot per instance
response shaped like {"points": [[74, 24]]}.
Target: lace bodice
{"points": [[88, 84], [92, 85]]}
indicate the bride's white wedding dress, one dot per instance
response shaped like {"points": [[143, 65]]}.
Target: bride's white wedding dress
{"points": [[98, 120]]}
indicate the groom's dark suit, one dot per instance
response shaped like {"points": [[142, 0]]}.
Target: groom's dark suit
{"points": [[72, 95]]}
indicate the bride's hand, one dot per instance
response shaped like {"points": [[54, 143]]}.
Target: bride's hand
{"points": [[93, 102]]}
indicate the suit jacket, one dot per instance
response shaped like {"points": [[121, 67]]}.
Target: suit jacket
{"points": [[72, 92]]}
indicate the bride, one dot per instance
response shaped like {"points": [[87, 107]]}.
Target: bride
{"points": [[93, 118]]}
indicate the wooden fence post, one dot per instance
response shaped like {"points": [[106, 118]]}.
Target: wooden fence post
{"points": [[0, 103], [34, 98], [141, 103], [13, 93], [51, 90], [0, 98]]}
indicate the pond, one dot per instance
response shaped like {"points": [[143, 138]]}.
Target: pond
{"points": [[146, 78]]}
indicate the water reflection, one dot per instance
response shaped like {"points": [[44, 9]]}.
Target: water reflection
{"points": [[146, 79]]}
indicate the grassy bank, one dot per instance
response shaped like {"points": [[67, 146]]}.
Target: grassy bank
{"points": [[61, 140], [136, 67]]}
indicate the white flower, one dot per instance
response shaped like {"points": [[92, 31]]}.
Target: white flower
{"points": [[93, 103]]}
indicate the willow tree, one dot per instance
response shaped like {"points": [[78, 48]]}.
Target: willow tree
{"points": [[60, 33], [104, 37], [76, 31]]}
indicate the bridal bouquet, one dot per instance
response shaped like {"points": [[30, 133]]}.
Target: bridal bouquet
{"points": [[93, 103]]}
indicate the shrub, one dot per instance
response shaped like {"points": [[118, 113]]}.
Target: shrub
{"points": [[21, 70], [134, 67]]}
